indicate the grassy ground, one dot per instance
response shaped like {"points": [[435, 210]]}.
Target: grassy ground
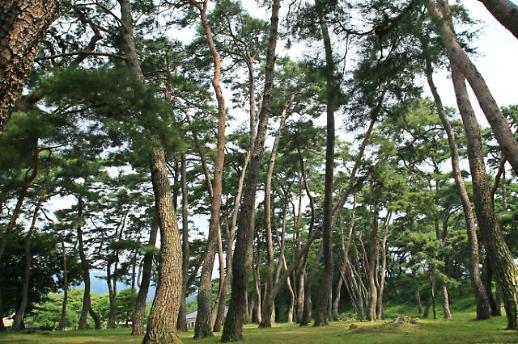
{"points": [[462, 329]]}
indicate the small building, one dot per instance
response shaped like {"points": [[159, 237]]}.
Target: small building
{"points": [[190, 318]]}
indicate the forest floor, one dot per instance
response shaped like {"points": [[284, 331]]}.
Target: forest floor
{"points": [[461, 329]]}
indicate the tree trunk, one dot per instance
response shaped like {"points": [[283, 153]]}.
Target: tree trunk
{"points": [[440, 12], [161, 326], [63, 316], [476, 282], [487, 278], [20, 312], [446, 302], [500, 257], [162, 320], [203, 326], [242, 261], [137, 322], [326, 284], [373, 252], [270, 297], [27, 182], [23, 24], [506, 12], [85, 267], [182, 321]]}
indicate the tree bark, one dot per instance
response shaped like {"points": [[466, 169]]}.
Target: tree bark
{"points": [[373, 252], [20, 312], [500, 257], [182, 321], [506, 12], [162, 320], [332, 91], [137, 322], [440, 13], [23, 24], [161, 326], [63, 316], [476, 282], [85, 266], [270, 297], [242, 261], [203, 326]]}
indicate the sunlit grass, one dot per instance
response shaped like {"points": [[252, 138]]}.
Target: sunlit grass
{"points": [[461, 329]]}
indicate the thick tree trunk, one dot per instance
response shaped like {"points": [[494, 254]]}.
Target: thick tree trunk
{"points": [[326, 284], [162, 320], [242, 261], [506, 12], [182, 321], [500, 258], [20, 312], [439, 10], [161, 326], [137, 322], [23, 24], [476, 282]]}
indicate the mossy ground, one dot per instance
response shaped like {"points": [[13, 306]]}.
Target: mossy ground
{"points": [[461, 329]]}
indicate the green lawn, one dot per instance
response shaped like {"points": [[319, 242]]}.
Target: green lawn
{"points": [[462, 329]]}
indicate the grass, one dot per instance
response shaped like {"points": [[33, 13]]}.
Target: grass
{"points": [[461, 329]]}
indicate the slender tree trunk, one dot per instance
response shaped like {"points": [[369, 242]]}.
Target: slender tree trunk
{"points": [[373, 252], [439, 10], [20, 312], [85, 267], [63, 316], [476, 282], [242, 261], [137, 322], [27, 182], [500, 257], [326, 284], [23, 24], [203, 326], [506, 12], [182, 321], [270, 297]]}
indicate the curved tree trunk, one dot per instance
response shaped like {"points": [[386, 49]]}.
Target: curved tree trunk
{"points": [[85, 267], [439, 11], [161, 326], [27, 182], [373, 253], [270, 297], [500, 258], [242, 260], [476, 282], [203, 326], [506, 12], [23, 23]]}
